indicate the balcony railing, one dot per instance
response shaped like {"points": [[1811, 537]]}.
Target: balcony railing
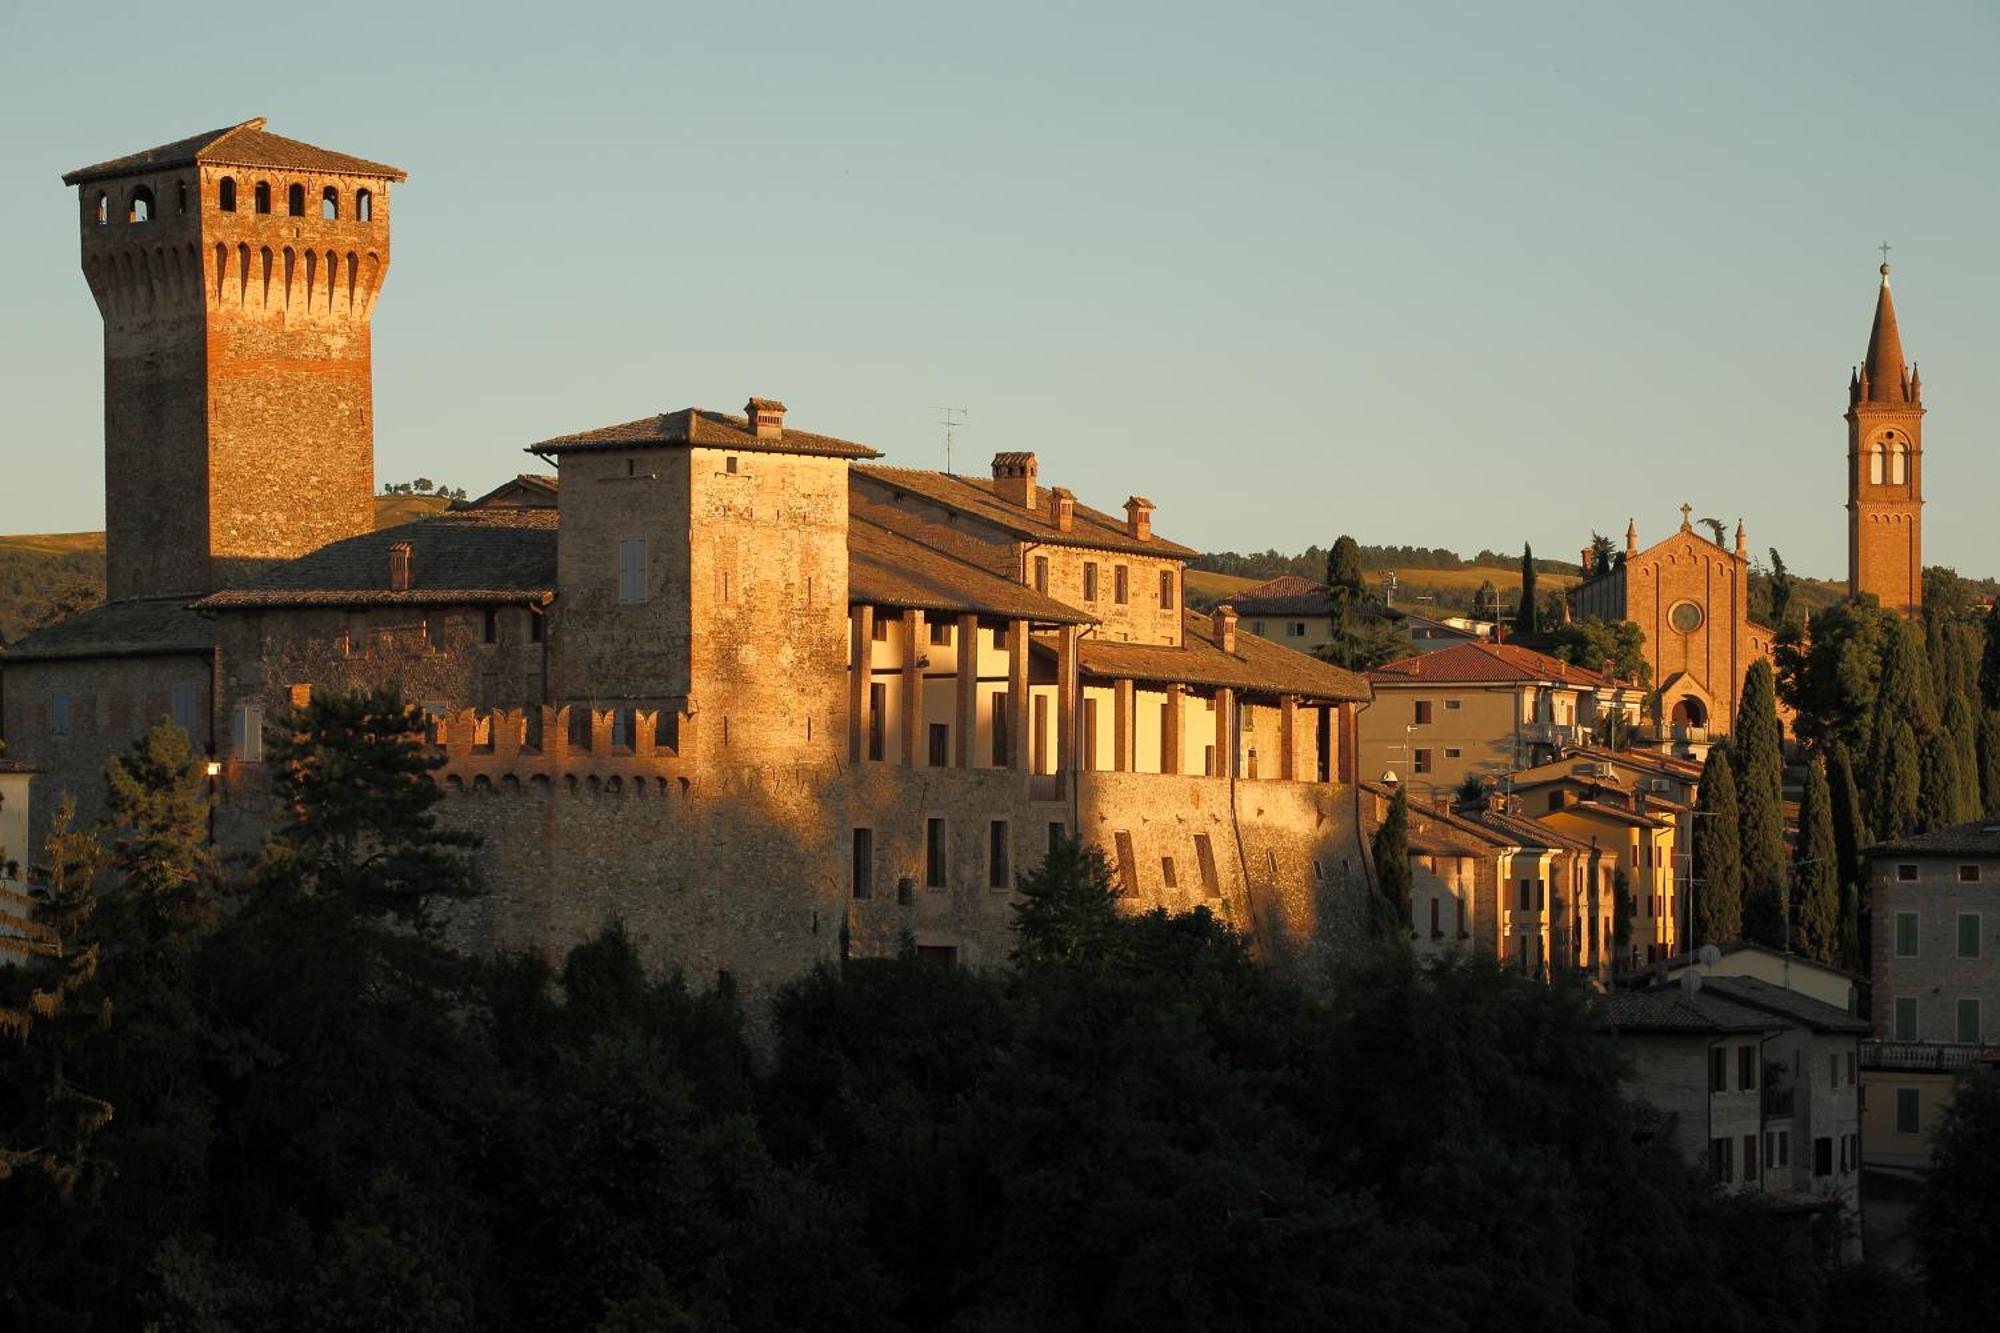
{"points": [[1778, 1102], [1555, 733], [1923, 1056]]}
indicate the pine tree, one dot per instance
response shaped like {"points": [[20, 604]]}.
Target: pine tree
{"points": [[1989, 763], [1939, 786], [1756, 751], [159, 806], [1392, 866], [1067, 909], [1816, 870], [1524, 615], [1893, 799], [1718, 869]]}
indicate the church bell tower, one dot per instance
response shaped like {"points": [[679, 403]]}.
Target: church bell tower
{"points": [[236, 273], [1885, 469]]}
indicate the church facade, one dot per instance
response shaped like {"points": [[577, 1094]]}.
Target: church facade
{"points": [[766, 699]]}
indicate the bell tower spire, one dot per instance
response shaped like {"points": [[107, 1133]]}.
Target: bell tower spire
{"points": [[1885, 468]]}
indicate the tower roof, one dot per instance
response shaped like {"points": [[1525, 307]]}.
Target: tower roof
{"points": [[1883, 372], [244, 145]]}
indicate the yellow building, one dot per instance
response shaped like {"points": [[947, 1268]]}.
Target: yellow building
{"points": [[1644, 846]]}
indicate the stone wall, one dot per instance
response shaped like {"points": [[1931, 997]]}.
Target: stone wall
{"points": [[1936, 976]]}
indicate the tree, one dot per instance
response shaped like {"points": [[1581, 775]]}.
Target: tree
{"points": [[1958, 1214], [1782, 591], [1392, 866], [1593, 643], [1717, 867], [1716, 530], [1989, 763], [1525, 613], [1830, 673], [1989, 659], [159, 806], [1368, 640], [357, 820], [1068, 906], [1816, 869], [1961, 729], [1940, 787], [1346, 583], [1486, 601], [1757, 755], [1603, 553], [1894, 809], [1905, 690]]}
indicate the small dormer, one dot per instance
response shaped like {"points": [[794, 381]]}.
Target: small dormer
{"points": [[1139, 518], [766, 417], [1062, 508], [1014, 478]]}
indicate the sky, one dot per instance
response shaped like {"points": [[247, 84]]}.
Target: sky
{"points": [[1460, 275]]}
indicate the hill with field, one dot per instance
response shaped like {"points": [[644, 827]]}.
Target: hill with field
{"points": [[46, 576]]}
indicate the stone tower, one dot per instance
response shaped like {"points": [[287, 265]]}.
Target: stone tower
{"points": [[1885, 469], [236, 273]]}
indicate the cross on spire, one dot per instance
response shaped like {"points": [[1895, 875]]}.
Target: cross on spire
{"points": [[1884, 248], [1686, 510]]}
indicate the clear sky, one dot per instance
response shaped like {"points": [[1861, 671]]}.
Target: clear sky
{"points": [[1459, 275]]}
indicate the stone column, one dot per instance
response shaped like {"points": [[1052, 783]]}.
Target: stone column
{"points": [[862, 652], [913, 687], [968, 688], [1225, 733], [1288, 738], [1170, 731], [1124, 696], [1017, 695]]}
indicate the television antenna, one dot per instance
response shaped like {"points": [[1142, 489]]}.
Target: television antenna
{"points": [[952, 420]]}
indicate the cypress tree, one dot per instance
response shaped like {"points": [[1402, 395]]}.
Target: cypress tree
{"points": [[1905, 691], [1850, 827], [1892, 800], [1524, 615], [1937, 656], [1392, 866], [1961, 728], [1756, 752], [1718, 870], [1989, 763], [1989, 660], [1816, 870], [1939, 786]]}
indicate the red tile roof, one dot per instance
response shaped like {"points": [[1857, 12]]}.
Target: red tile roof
{"points": [[244, 145], [978, 498], [699, 426], [1257, 664], [1285, 585], [1485, 664]]}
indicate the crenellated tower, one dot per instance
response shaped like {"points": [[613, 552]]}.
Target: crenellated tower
{"points": [[1885, 469], [236, 273]]}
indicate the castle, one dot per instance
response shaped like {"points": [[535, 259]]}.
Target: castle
{"points": [[764, 698]]}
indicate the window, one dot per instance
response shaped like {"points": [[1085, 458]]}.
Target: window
{"points": [[1909, 1111], [934, 853], [1166, 590], [1527, 895], [1746, 1068], [999, 870], [940, 745], [1906, 1018], [1295, 629], [1422, 761], [140, 209], [667, 730], [878, 704], [1453, 752], [246, 735], [1777, 1149], [1968, 874], [632, 571], [1089, 735], [225, 195], [940, 633], [261, 197], [1749, 1158], [59, 713], [1090, 580], [999, 638], [579, 728], [1968, 1022], [1001, 725], [1906, 934], [1968, 934], [1041, 573], [1204, 854], [295, 201], [1823, 1156], [1167, 873], [1720, 1163], [490, 626], [1906, 873], [1128, 865], [1423, 712], [1121, 584], [729, 464], [185, 706], [1718, 1069], [1452, 705], [364, 206]]}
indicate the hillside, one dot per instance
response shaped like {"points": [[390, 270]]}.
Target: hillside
{"points": [[42, 574], [1416, 589]]}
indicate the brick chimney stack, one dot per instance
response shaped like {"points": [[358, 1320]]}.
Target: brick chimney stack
{"points": [[1225, 627], [1139, 518], [1586, 562], [1014, 479], [767, 418], [1062, 506]]}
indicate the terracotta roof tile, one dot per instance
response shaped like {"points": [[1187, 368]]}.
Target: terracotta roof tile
{"points": [[1485, 663], [977, 497], [244, 145], [887, 568], [471, 556], [698, 426], [1285, 585], [1257, 664]]}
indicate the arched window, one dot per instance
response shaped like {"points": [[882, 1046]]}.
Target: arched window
{"points": [[141, 207], [364, 206], [1875, 464], [1899, 464], [329, 204], [103, 208], [226, 194], [262, 195], [295, 201]]}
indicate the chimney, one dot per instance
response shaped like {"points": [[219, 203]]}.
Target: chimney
{"points": [[767, 418], [1586, 562], [1225, 627], [401, 574], [1062, 505], [1014, 479], [1139, 518]]}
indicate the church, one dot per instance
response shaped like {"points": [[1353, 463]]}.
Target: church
{"points": [[1689, 595]]}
